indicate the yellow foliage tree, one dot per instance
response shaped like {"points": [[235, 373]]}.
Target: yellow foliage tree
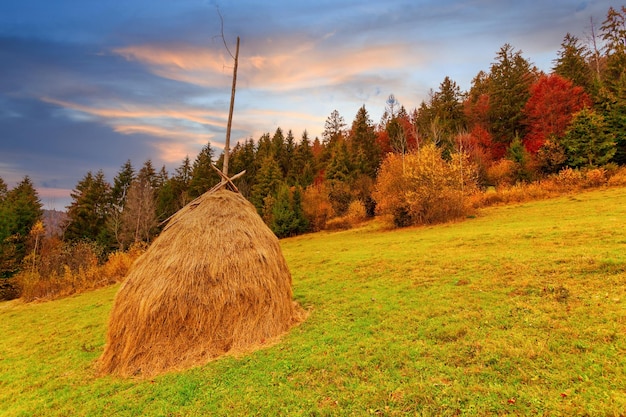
{"points": [[424, 187]]}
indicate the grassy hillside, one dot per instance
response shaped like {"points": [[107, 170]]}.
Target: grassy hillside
{"points": [[521, 310]]}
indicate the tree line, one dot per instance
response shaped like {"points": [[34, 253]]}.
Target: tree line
{"points": [[514, 124]]}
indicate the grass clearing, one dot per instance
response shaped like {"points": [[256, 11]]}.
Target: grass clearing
{"points": [[521, 310]]}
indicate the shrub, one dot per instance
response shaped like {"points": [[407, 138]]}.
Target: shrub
{"points": [[618, 177], [422, 187], [501, 173], [594, 177], [316, 206], [72, 268], [569, 178], [338, 223], [356, 212]]}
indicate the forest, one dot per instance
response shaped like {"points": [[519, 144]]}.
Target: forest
{"points": [[517, 129]]}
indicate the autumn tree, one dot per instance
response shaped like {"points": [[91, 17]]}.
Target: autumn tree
{"points": [[424, 187], [139, 219], [553, 100]]}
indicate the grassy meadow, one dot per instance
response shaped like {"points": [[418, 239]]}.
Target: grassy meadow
{"points": [[520, 310]]}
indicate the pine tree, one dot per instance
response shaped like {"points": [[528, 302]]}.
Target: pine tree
{"points": [[446, 111], [269, 179], [203, 176], [365, 151], [20, 209], [121, 184], [243, 159], [287, 159], [586, 141], [339, 166], [303, 171], [612, 96], [509, 81], [88, 213], [572, 63], [287, 215]]}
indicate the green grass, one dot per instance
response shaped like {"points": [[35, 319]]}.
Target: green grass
{"points": [[521, 310]]}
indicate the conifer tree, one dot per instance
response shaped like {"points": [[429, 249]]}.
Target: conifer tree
{"points": [[339, 166], [446, 115], [203, 177], [269, 179], [304, 163], [365, 151], [89, 210], [509, 81], [121, 184], [612, 96], [287, 216], [586, 141], [572, 63], [21, 209]]}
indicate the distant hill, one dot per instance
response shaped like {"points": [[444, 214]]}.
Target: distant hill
{"points": [[53, 221]]}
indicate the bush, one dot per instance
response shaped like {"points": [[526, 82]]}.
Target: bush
{"points": [[422, 187], [569, 178], [72, 268], [618, 177], [501, 173], [338, 223], [316, 206], [595, 177], [356, 212]]}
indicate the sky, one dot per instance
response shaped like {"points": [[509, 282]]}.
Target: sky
{"points": [[87, 85]]}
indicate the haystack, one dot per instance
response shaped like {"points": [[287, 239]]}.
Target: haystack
{"points": [[214, 281]]}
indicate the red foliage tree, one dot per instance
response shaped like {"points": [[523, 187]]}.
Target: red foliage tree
{"points": [[476, 111], [553, 101]]}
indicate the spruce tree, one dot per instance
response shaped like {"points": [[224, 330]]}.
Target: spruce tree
{"points": [[269, 179], [121, 183], [203, 176], [572, 63], [586, 141], [510, 79], [88, 213], [366, 154], [21, 209], [303, 171]]}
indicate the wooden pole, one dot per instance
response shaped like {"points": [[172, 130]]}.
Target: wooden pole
{"points": [[230, 112]]}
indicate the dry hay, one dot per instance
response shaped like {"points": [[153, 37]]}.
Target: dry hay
{"points": [[214, 281]]}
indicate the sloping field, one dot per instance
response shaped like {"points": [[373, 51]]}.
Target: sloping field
{"points": [[521, 310]]}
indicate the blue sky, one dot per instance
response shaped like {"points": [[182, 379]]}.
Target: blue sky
{"points": [[86, 85]]}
